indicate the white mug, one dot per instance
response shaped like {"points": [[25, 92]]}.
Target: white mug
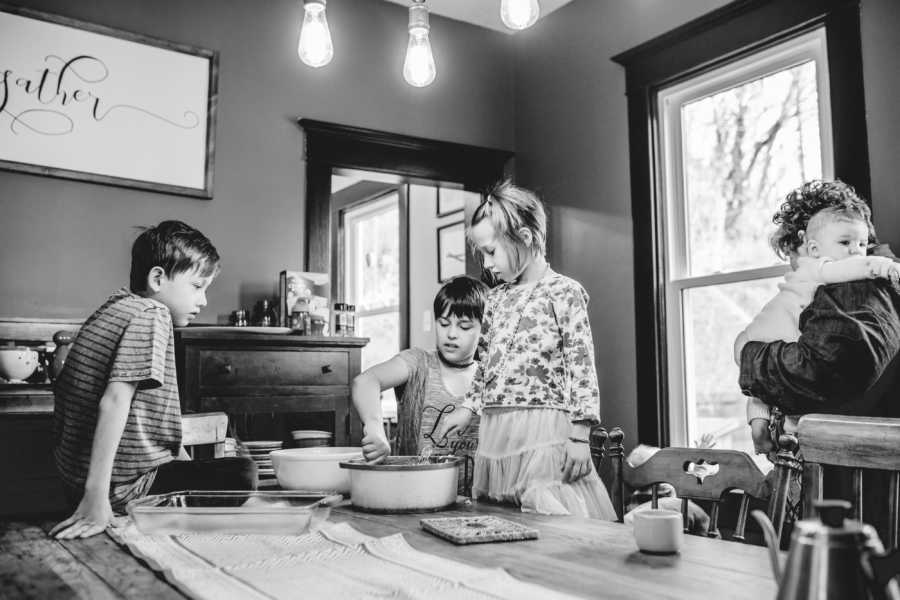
{"points": [[658, 530]]}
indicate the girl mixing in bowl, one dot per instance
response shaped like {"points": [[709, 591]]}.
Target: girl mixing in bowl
{"points": [[430, 383]]}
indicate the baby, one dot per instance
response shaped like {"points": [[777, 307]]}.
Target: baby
{"points": [[824, 229]]}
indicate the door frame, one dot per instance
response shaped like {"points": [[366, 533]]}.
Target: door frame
{"points": [[330, 146]]}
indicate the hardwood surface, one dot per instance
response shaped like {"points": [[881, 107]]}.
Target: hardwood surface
{"points": [[587, 558]]}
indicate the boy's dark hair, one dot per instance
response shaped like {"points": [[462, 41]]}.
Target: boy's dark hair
{"points": [[176, 247], [812, 197], [461, 297]]}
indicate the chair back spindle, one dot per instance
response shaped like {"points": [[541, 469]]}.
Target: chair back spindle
{"points": [[597, 439], [617, 465]]}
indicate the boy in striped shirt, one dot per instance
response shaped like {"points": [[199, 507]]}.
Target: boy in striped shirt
{"points": [[117, 412]]}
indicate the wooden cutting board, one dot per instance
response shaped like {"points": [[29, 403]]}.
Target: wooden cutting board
{"points": [[476, 530]]}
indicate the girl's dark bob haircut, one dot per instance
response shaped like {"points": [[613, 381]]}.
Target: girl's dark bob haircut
{"points": [[462, 296]]}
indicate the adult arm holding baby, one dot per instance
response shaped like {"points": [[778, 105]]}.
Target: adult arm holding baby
{"points": [[849, 335]]}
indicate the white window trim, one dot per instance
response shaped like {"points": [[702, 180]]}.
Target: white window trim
{"points": [[352, 215], [803, 48]]}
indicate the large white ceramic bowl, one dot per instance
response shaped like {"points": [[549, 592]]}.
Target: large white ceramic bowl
{"points": [[314, 469], [403, 484], [17, 363]]}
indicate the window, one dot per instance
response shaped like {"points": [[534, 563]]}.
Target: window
{"points": [[702, 266], [372, 254], [734, 141]]}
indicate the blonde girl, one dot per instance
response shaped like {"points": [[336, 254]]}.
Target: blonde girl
{"points": [[535, 387]]}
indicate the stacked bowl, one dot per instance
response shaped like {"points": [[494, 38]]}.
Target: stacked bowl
{"points": [[308, 438], [260, 452]]}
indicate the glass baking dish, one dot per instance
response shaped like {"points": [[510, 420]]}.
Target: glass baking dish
{"points": [[271, 512]]}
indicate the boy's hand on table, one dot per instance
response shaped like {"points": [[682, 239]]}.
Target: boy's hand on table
{"points": [[578, 461], [375, 445], [93, 515]]}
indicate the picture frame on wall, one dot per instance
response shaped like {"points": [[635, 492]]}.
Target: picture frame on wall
{"points": [[451, 250], [450, 201], [88, 102]]}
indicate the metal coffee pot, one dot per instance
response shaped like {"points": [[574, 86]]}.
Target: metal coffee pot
{"points": [[832, 558]]}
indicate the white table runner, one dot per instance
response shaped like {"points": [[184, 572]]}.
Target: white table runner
{"points": [[334, 562]]}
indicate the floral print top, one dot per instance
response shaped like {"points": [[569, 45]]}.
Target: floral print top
{"points": [[536, 350]]}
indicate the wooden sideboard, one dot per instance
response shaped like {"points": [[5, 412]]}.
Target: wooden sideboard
{"points": [[269, 384]]}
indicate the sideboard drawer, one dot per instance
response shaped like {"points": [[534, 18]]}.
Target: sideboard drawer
{"points": [[273, 367]]}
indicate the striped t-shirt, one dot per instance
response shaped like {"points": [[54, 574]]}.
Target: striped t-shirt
{"points": [[129, 338]]}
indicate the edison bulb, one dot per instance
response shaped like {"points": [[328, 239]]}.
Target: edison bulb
{"points": [[315, 47], [519, 14], [418, 67]]}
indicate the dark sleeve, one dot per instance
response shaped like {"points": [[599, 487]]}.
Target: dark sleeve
{"points": [[848, 334]]}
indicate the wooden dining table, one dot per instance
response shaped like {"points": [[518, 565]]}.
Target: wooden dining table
{"points": [[582, 557]]}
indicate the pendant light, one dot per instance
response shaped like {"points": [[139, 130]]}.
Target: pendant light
{"points": [[315, 47], [519, 14], [418, 67]]}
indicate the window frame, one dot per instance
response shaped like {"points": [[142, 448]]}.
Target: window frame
{"points": [[734, 31], [809, 46]]}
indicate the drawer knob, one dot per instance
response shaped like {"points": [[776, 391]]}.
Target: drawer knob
{"points": [[326, 369], [226, 368]]}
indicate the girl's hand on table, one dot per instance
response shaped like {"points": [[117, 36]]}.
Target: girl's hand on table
{"points": [[93, 515], [375, 445], [577, 463]]}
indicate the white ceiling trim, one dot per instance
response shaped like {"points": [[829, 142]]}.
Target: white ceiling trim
{"points": [[484, 13]]}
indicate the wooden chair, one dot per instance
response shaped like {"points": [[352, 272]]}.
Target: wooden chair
{"points": [[199, 429], [857, 443], [698, 474]]}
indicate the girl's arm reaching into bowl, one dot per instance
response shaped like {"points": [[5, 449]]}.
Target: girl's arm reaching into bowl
{"points": [[366, 393]]}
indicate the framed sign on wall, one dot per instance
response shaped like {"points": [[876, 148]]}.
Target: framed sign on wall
{"points": [[88, 102]]}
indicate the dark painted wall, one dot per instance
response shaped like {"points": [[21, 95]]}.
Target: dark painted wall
{"points": [[572, 144], [65, 245]]}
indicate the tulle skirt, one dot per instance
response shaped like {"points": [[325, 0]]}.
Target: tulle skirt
{"points": [[520, 457]]}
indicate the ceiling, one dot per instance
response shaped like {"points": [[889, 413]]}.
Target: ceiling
{"points": [[484, 13]]}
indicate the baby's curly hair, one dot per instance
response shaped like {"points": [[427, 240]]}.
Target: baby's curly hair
{"points": [[810, 198]]}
